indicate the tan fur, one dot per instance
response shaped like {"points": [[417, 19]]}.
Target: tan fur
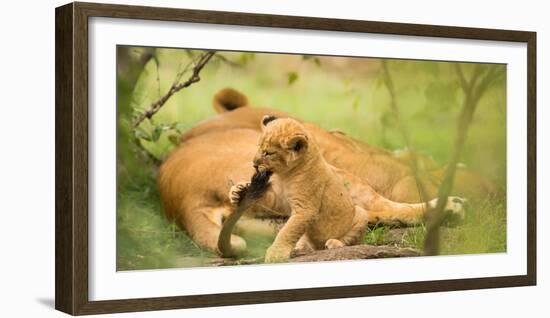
{"points": [[196, 177], [322, 211]]}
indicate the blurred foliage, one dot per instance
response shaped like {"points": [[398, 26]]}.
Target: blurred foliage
{"points": [[343, 93], [292, 77]]}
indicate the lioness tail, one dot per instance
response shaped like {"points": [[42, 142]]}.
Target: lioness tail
{"points": [[228, 99]]}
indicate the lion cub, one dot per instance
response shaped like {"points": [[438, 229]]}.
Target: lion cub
{"points": [[323, 214]]}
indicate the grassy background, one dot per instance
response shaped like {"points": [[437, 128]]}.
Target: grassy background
{"points": [[344, 93]]}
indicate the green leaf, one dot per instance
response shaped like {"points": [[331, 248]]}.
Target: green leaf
{"points": [[156, 133], [190, 53], [292, 77], [317, 61], [313, 58], [142, 134], [246, 57], [174, 138]]}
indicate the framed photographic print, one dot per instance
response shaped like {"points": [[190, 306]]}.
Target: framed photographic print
{"points": [[211, 158]]}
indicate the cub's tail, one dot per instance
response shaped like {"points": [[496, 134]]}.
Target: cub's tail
{"points": [[228, 99]]}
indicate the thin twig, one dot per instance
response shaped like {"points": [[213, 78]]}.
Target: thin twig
{"points": [[180, 73], [464, 84], [228, 61], [157, 67], [404, 132], [176, 87]]}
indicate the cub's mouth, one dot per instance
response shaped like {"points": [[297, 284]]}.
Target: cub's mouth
{"points": [[260, 168]]}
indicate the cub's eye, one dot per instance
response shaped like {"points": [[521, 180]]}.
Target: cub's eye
{"points": [[268, 153]]}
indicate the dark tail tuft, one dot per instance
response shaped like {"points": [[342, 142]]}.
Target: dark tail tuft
{"points": [[259, 184], [228, 99]]}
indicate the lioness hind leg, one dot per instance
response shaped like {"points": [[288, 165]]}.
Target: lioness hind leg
{"points": [[248, 226], [358, 229], [389, 212]]}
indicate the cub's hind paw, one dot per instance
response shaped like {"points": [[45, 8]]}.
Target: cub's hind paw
{"points": [[237, 192]]}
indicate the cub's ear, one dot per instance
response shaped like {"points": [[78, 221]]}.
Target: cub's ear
{"points": [[267, 119], [297, 143]]}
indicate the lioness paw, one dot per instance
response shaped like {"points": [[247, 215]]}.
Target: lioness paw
{"points": [[236, 193], [454, 209], [238, 245]]}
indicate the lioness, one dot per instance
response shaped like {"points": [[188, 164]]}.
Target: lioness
{"points": [[196, 176]]}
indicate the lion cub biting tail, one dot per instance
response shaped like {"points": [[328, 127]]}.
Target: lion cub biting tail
{"points": [[323, 214]]}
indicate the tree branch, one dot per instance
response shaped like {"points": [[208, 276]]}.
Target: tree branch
{"points": [[473, 93], [176, 87]]}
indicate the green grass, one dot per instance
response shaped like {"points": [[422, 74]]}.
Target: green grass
{"points": [[483, 231], [377, 235], [351, 98]]}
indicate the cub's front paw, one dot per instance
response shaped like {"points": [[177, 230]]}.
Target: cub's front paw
{"points": [[277, 255], [334, 243], [237, 192], [454, 209]]}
